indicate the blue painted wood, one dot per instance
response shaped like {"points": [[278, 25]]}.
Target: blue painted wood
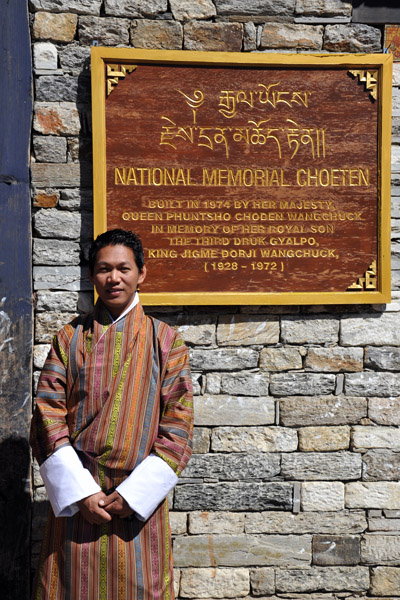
{"points": [[15, 298]]}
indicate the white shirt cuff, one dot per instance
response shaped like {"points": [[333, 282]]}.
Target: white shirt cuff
{"points": [[148, 485], [66, 481]]}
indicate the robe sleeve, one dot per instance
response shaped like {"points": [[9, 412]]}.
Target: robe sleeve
{"points": [[148, 484], [64, 476], [49, 428]]}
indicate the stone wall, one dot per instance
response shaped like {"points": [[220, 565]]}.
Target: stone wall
{"points": [[292, 491]]}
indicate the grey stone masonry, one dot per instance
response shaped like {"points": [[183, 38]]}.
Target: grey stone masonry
{"points": [[321, 466], [231, 496], [292, 491], [234, 467], [243, 550], [234, 410], [82, 7], [317, 410]]}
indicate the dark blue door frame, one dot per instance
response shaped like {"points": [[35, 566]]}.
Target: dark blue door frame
{"points": [[15, 298]]}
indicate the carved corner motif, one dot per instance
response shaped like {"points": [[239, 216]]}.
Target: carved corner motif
{"points": [[370, 78], [115, 73], [367, 282]]}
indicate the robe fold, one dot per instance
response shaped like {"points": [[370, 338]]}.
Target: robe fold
{"points": [[115, 393]]}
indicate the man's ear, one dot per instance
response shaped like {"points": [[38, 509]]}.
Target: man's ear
{"points": [[142, 275]]}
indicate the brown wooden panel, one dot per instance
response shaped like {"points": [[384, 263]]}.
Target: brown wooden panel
{"points": [[245, 178], [250, 178]]}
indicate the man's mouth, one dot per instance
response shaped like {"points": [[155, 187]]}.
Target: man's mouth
{"points": [[114, 291]]}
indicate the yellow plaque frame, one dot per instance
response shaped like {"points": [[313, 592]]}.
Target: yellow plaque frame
{"points": [[101, 57]]}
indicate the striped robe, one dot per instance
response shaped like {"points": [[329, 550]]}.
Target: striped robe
{"points": [[115, 393]]}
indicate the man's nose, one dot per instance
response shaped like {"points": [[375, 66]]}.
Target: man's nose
{"points": [[114, 275]]}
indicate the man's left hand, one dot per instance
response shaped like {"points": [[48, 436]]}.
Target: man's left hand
{"points": [[117, 505]]}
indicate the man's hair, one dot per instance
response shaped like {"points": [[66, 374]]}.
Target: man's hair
{"points": [[116, 237]]}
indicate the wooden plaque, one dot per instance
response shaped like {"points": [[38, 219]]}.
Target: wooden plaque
{"points": [[250, 178]]}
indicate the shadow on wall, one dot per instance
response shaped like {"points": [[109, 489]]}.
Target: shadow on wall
{"points": [[14, 518]]}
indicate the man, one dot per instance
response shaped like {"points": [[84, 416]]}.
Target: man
{"points": [[112, 432]]}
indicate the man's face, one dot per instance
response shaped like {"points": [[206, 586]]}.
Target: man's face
{"points": [[116, 277]]}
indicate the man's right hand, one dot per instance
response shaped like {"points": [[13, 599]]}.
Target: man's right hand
{"points": [[92, 510]]}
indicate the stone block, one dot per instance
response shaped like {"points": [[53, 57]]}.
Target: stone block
{"points": [[76, 199], [160, 35], [287, 35], [194, 329], [49, 323], [185, 10], [46, 198], [378, 330], [281, 359], [224, 359], [328, 8], [213, 383], [332, 550], [55, 252], [234, 410], [73, 279], [315, 466], [135, 8], [364, 437], [306, 522], [352, 38], [219, 37], [322, 496], [262, 581], [382, 524], [106, 32], [381, 465], [372, 384], [324, 439], [79, 149], [287, 384], [81, 7], [231, 467], [53, 223], [40, 352], [312, 330], [45, 56], [245, 383], [75, 59], [201, 440], [253, 439], [335, 359], [210, 523], [241, 330], [242, 550], [50, 149], [60, 175], [53, 88], [331, 410], [238, 496], [329, 579], [57, 27], [57, 301], [214, 583], [249, 37], [385, 359], [262, 8], [380, 549], [382, 494], [56, 118], [178, 523], [196, 381], [385, 581]]}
